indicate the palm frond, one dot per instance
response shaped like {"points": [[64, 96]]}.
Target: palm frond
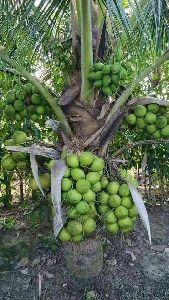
{"points": [[28, 29], [145, 24]]}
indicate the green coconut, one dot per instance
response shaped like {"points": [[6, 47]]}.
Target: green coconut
{"points": [[40, 110], [98, 66], [73, 196], [102, 209], [77, 173], [20, 95], [125, 222], [107, 90], [121, 212], [45, 180], [19, 105], [98, 164], [19, 156], [93, 177], [89, 196], [106, 80], [82, 207], [64, 235], [103, 198], [28, 88], [86, 158], [131, 119], [10, 97], [34, 117], [114, 201], [35, 99], [153, 107], [113, 187], [107, 70], [8, 163], [124, 190], [161, 122], [140, 123], [110, 217], [9, 142], [67, 173], [151, 128], [77, 238], [9, 110], [127, 201], [21, 165], [19, 137], [165, 131], [89, 226], [74, 227], [97, 187], [116, 67], [150, 118], [18, 117], [72, 160], [156, 134], [66, 184], [113, 228], [104, 181], [140, 111], [83, 186], [133, 212]]}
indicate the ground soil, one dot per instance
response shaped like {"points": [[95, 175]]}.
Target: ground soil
{"points": [[132, 268]]}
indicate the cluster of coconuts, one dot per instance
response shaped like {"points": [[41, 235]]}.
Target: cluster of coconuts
{"points": [[107, 77], [15, 160], [117, 208], [89, 197], [152, 118], [82, 181], [25, 102]]}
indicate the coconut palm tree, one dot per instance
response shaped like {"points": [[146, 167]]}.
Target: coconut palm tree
{"points": [[102, 31], [31, 29]]}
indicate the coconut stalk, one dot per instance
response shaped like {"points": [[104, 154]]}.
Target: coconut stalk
{"points": [[87, 93], [99, 24], [78, 9]]}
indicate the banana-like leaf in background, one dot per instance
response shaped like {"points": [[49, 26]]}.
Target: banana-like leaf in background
{"points": [[141, 208], [34, 167], [57, 173]]}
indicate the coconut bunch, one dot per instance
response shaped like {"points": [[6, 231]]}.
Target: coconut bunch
{"points": [[89, 197], [15, 160], [81, 184], [108, 77], [25, 102], [117, 208], [152, 119]]}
